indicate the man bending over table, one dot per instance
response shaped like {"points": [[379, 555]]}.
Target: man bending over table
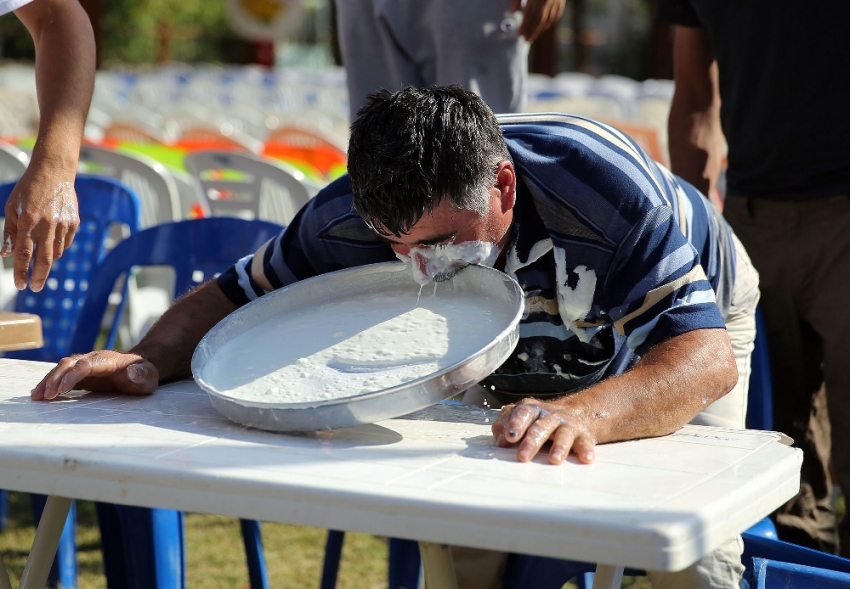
{"points": [[630, 276]]}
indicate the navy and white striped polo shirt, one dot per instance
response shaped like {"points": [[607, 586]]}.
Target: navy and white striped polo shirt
{"points": [[615, 254]]}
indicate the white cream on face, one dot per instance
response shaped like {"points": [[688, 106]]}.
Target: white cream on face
{"points": [[441, 262]]}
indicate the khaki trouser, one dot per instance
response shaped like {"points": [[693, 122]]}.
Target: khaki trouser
{"points": [[722, 569], [802, 252]]}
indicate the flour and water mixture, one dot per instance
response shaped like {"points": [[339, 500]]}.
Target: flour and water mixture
{"points": [[348, 347]]}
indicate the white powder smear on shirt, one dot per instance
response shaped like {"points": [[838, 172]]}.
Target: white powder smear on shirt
{"points": [[351, 347]]}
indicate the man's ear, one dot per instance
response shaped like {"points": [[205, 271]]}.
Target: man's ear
{"points": [[506, 185]]}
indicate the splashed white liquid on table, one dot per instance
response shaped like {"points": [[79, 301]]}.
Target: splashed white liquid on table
{"points": [[351, 347]]}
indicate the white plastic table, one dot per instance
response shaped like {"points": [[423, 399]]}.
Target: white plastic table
{"points": [[653, 504]]}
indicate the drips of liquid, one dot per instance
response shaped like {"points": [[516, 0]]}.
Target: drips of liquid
{"points": [[351, 347]]}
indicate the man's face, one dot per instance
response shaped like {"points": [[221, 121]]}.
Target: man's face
{"points": [[443, 242]]}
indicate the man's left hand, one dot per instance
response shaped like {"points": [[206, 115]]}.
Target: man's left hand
{"points": [[531, 423], [537, 16], [41, 221]]}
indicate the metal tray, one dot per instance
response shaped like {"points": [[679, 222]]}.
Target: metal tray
{"points": [[366, 281]]}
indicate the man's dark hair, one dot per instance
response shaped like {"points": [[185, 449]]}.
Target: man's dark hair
{"points": [[411, 149]]}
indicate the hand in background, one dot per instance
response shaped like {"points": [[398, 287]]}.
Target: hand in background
{"points": [[537, 16], [41, 221]]}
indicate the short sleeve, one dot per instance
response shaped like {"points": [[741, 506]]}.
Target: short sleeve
{"points": [[677, 12], [7, 6], [324, 236], [656, 288]]}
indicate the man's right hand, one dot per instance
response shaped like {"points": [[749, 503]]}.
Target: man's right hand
{"points": [[103, 370]]}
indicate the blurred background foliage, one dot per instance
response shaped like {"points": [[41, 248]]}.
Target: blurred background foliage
{"points": [[594, 36]]}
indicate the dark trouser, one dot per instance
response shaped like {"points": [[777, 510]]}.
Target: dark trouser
{"points": [[801, 250]]}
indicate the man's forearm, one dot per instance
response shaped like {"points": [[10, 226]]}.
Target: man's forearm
{"points": [[65, 65], [667, 388], [172, 340], [696, 141]]}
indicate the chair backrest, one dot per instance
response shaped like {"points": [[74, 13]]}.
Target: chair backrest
{"points": [[13, 162], [134, 132], [760, 396], [321, 152], [193, 203], [151, 181], [770, 574], [197, 249], [756, 547], [103, 202], [245, 186]]}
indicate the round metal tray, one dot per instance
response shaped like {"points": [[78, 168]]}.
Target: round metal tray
{"points": [[390, 278]]}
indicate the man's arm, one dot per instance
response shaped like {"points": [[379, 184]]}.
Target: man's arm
{"points": [[695, 136], [667, 388], [164, 354], [41, 214]]}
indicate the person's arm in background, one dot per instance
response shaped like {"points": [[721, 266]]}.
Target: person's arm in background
{"points": [[537, 16], [696, 139], [164, 354], [41, 214]]}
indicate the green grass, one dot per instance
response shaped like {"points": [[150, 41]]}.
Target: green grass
{"points": [[215, 556]]}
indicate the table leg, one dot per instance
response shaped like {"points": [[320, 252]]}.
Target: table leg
{"points": [[607, 577], [45, 543], [438, 566], [5, 583]]}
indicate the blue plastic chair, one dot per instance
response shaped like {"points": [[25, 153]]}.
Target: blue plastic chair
{"points": [[769, 574], [756, 546], [760, 397], [197, 250], [102, 203]]}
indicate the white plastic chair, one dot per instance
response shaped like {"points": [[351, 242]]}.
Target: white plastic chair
{"points": [[13, 162], [193, 203], [150, 180], [242, 185]]}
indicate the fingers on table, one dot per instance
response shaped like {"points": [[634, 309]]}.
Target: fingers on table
{"points": [[97, 371], [532, 426]]}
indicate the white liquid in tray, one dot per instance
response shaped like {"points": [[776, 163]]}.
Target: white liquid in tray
{"points": [[351, 347]]}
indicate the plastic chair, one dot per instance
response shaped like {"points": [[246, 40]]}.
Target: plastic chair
{"points": [[13, 162], [102, 203], [324, 153], [246, 186], [760, 397], [151, 182], [757, 546], [770, 574], [198, 250]]}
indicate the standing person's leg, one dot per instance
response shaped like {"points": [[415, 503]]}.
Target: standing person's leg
{"points": [[475, 47], [826, 306], [371, 38], [771, 233]]}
